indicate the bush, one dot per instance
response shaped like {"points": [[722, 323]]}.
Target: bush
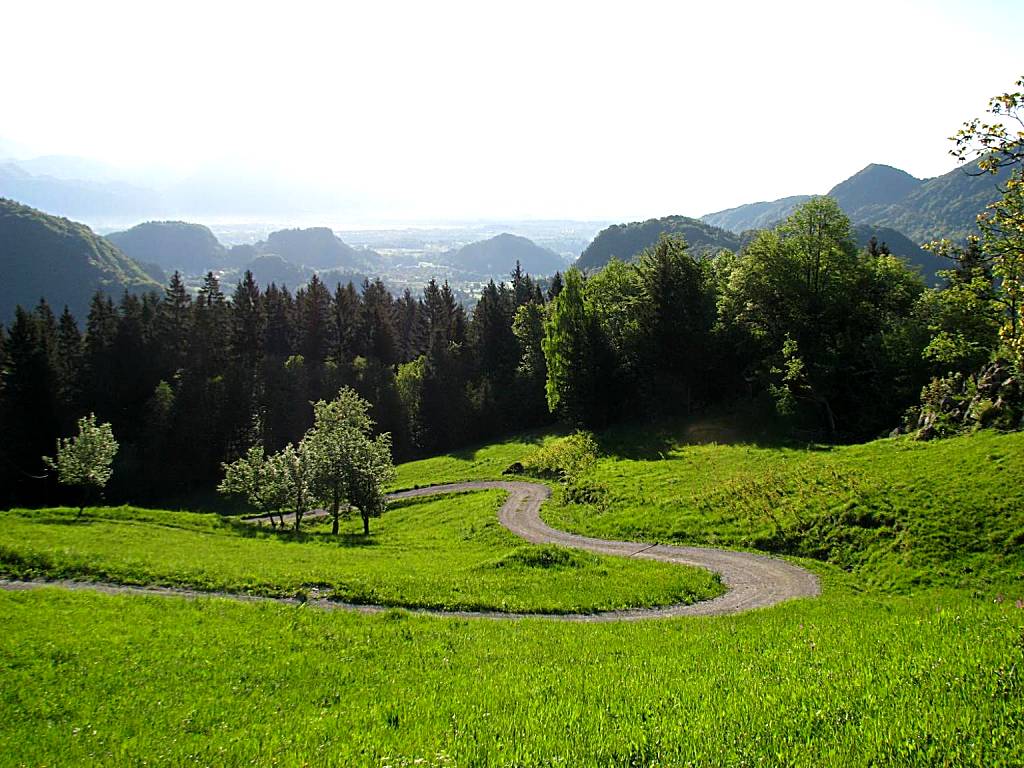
{"points": [[562, 459]]}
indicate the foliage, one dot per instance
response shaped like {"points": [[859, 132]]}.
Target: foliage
{"points": [[999, 147], [255, 478], [564, 458], [995, 145], [347, 464], [573, 350], [84, 460], [963, 319], [825, 329]]}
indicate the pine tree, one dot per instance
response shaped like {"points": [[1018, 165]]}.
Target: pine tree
{"points": [[174, 328], [100, 333], [28, 416]]}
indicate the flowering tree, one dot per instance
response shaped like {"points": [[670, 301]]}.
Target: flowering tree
{"points": [[84, 460]]}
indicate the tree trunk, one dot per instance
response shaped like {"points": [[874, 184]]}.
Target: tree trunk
{"points": [[366, 525], [335, 504]]}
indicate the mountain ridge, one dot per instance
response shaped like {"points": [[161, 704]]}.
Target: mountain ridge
{"points": [[882, 195], [59, 259]]}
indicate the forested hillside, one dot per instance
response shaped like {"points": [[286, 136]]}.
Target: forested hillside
{"points": [[498, 256], [172, 245], [625, 241], [923, 210], [61, 260], [317, 247]]}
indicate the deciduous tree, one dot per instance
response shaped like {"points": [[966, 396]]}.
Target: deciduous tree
{"points": [[85, 460]]}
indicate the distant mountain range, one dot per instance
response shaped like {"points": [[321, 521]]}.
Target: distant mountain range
{"points": [[76, 198], [292, 255], [193, 249], [43, 255], [922, 209], [86, 189], [497, 257]]}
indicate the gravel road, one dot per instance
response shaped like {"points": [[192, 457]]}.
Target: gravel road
{"points": [[752, 581]]}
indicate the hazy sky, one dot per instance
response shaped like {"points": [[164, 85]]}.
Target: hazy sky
{"points": [[532, 109]]}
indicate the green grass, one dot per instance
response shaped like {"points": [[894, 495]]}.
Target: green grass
{"points": [[899, 514], [912, 656], [843, 681], [448, 552], [485, 462]]}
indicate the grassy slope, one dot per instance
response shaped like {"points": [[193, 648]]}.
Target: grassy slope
{"points": [[897, 513], [443, 553], [846, 679], [838, 681], [485, 462]]}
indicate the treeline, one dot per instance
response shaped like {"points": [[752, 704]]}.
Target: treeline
{"points": [[828, 341], [188, 383]]}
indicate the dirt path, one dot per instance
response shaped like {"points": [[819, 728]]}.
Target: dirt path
{"points": [[753, 581]]}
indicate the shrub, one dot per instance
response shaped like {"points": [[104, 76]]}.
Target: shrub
{"points": [[563, 459]]}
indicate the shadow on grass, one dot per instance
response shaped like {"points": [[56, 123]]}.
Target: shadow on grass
{"points": [[291, 536], [655, 439], [533, 437]]}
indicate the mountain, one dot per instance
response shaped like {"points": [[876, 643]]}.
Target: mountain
{"points": [[270, 268], [61, 260], [625, 241], [764, 215], [317, 247], [497, 256], [79, 198], [945, 206], [873, 186], [172, 245]]}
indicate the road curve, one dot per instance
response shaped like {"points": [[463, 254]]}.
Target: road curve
{"points": [[752, 581]]}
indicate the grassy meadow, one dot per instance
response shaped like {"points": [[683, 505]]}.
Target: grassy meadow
{"points": [[445, 552], [843, 680], [912, 656], [900, 515]]}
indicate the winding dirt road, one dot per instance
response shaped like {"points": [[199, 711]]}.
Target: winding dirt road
{"points": [[753, 581]]}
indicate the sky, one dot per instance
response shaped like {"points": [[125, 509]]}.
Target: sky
{"points": [[455, 110]]}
